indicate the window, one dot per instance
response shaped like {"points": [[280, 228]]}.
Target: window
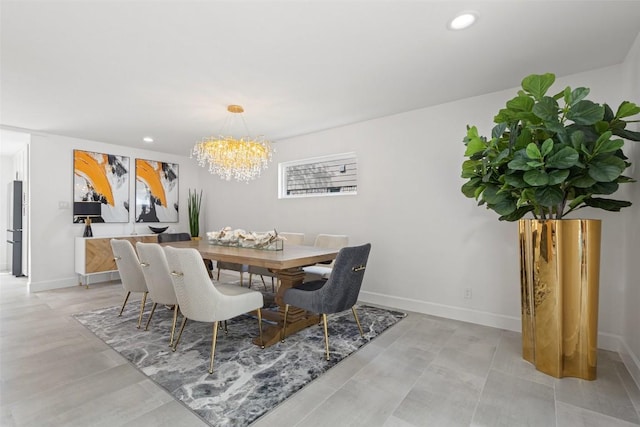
{"points": [[334, 175]]}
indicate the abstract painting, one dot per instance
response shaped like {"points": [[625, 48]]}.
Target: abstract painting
{"points": [[103, 178], [156, 191]]}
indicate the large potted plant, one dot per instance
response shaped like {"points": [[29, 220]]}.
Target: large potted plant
{"points": [[548, 156], [194, 204]]}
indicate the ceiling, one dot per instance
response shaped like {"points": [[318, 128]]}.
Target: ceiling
{"points": [[116, 71]]}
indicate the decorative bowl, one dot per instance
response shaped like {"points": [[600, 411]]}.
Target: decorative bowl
{"points": [[158, 230]]}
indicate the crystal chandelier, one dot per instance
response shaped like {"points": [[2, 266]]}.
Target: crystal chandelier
{"points": [[227, 156]]}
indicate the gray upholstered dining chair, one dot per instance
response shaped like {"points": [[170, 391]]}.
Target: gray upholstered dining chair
{"points": [[334, 295], [199, 300], [183, 237], [130, 272], [241, 268], [173, 237], [157, 275], [325, 241], [290, 239]]}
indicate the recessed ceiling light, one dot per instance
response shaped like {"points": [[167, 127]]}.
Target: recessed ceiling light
{"points": [[462, 21], [147, 139]]}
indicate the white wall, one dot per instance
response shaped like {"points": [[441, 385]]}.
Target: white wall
{"points": [[430, 243], [6, 177], [631, 349], [52, 230]]}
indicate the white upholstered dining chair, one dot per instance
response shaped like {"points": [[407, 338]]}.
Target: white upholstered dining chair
{"points": [[130, 272], [199, 300], [157, 275]]}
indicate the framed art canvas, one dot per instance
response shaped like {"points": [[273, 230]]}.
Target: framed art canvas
{"points": [[104, 178], [156, 191]]}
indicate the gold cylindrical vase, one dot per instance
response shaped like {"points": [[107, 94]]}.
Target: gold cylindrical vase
{"points": [[560, 273]]}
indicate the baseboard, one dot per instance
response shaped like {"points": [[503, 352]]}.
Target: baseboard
{"points": [[631, 361], [72, 281], [606, 341], [441, 310]]}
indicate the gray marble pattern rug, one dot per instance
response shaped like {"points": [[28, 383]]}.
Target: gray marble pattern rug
{"points": [[247, 381]]}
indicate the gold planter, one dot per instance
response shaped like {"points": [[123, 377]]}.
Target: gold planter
{"points": [[559, 272]]}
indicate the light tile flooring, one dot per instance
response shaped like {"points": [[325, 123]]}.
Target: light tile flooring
{"points": [[426, 371]]}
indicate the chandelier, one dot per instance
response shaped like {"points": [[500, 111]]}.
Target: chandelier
{"points": [[227, 156]]}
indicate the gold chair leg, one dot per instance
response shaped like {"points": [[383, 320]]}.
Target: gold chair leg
{"points": [[144, 300], [173, 325], [175, 344], [213, 345], [353, 309], [153, 309], [284, 322], [260, 327], [126, 298], [326, 335]]}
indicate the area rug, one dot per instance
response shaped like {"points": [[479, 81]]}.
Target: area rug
{"points": [[247, 381]]}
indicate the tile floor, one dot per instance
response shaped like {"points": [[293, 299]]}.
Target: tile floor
{"points": [[426, 371]]}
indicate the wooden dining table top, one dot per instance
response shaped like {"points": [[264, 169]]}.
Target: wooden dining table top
{"points": [[291, 256]]}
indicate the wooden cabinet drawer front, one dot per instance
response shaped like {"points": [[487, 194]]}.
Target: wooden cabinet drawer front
{"points": [[98, 254]]}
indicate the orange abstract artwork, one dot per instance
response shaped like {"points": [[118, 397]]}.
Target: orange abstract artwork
{"points": [[156, 191]]}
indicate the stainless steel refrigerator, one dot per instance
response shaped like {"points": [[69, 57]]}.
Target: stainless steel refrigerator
{"points": [[14, 234]]}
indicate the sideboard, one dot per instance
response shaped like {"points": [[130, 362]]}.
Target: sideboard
{"points": [[94, 255]]}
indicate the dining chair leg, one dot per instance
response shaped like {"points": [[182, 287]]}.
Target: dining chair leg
{"points": [[263, 283], [218, 277], [353, 309], [153, 309], [326, 335], [173, 324], [175, 344], [284, 322], [260, 327], [250, 280], [241, 279], [126, 298], [213, 345], [226, 331], [144, 300]]}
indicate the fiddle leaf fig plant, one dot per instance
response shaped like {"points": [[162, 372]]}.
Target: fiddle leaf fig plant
{"points": [[549, 155]]}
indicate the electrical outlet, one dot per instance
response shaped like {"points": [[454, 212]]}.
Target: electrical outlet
{"points": [[467, 293]]}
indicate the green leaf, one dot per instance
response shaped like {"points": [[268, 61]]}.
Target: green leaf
{"points": [[547, 146], [538, 84], [578, 95], [604, 188], [585, 113], [470, 168], [583, 181], [549, 196], [564, 158], [558, 176], [469, 188], [504, 207], [607, 169], [521, 103], [519, 161], [491, 195], [607, 204], [547, 109], [577, 139], [517, 214], [533, 152], [475, 145], [536, 178], [627, 109], [610, 146], [535, 164], [627, 134], [515, 180], [498, 130]]}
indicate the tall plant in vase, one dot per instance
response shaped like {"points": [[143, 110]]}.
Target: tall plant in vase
{"points": [[548, 156], [194, 205]]}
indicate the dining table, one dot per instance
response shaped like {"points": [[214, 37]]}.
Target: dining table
{"points": [[286, 264]]}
